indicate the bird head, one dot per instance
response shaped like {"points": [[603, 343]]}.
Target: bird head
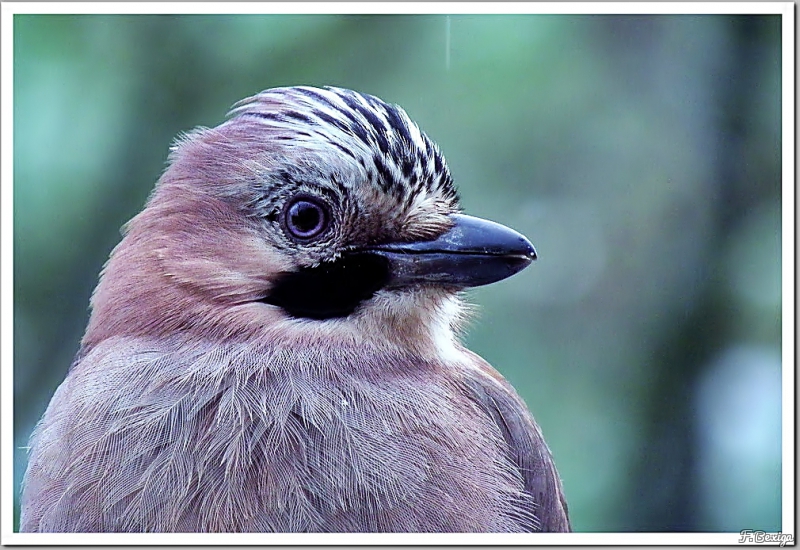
{"points": [[306, 207]]}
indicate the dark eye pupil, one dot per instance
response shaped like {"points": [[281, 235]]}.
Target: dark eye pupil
{"points": [[305, 219]]}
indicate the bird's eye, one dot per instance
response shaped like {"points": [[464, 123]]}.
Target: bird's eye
{"points": [[306, 218]]}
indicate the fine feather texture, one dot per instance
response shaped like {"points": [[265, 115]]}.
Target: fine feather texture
{"points": [[322, 439], [199, 402]]}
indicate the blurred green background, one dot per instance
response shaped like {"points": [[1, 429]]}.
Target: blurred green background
{"points": [[640, 154]]}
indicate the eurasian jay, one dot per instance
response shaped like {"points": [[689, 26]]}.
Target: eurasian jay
{"points": [[273, 345]]}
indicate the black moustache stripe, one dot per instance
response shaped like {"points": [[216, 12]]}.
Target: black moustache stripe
{"points": [[332, 289]]}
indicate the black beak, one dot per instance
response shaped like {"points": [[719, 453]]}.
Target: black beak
{"points": [[473, 252]]}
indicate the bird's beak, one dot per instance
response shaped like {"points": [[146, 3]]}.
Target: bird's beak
{"points": [[473, 252]]}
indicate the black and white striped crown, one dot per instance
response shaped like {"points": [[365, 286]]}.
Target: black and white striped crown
{"points": [[379, 136]]}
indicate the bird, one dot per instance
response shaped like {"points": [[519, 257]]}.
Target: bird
{"points": [[275, 345]]}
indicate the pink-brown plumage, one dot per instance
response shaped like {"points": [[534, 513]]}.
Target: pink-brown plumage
{"points": [[237, 377]]}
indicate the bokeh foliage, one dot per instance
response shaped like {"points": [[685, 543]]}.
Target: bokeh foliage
{"points": [[641, 155]]}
